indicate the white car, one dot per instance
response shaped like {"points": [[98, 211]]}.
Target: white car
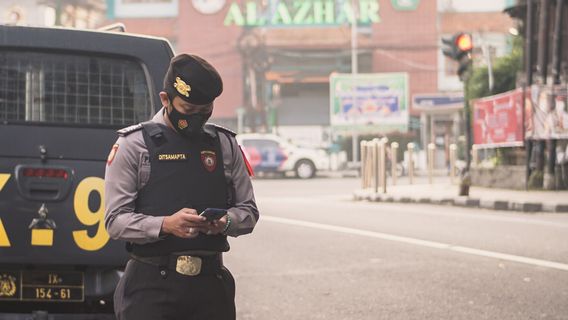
{"points": [[271, 153]]}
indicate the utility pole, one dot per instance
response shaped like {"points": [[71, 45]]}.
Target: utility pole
{"points": [[550, 181], [528, 52], [543, 46]]}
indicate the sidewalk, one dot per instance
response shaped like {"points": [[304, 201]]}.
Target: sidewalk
{"points": [[441, 191]]}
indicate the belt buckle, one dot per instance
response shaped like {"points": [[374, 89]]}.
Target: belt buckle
{"points": [[188, 265]]}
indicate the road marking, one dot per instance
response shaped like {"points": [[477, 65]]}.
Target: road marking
{"points": [[440, 211], [419, 242]]}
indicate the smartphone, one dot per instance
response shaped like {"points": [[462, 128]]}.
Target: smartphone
{"points": [[213, 213]]}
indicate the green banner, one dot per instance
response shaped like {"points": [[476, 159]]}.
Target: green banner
{"points": [[405, 5], [369, 102]]}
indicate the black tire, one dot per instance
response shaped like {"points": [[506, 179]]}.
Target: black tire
{"points": [[305, 169]]}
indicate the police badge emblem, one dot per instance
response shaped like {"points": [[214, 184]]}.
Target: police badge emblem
{"points": [[112, 154], [182, 124], [7, 285], [209, 160]]}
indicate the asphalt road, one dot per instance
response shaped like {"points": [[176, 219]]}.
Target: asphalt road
{"points": [[315, 254]]}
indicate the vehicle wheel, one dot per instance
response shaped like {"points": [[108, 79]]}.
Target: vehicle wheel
{"points": [[305, 169]]}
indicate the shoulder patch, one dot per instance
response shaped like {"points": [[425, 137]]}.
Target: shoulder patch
{"points": [[223, 129], [128, 130]]}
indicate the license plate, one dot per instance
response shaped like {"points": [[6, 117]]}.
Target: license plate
{"points": [[44, 286]]}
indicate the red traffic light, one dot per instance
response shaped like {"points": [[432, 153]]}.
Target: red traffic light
{"points": [[464, 42]]}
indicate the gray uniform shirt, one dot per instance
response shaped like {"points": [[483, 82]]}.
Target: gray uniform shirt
{"points": [[129, 171]]}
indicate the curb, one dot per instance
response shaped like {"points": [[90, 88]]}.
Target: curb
{"points": [[467, 202]]}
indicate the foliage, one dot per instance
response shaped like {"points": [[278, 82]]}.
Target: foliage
{"points": [[505, 71]]}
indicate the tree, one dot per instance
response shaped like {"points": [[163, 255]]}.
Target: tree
{"points": [[505, 70]]}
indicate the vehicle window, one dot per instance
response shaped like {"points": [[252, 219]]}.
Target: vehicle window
{"points": [[72, 89], [260, 143]]}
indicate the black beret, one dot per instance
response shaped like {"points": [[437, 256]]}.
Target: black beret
{"points": [[193, 79]]}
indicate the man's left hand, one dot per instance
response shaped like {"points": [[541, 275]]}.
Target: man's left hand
{"points": [[216, 226]]}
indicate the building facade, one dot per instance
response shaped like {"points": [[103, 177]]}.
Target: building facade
{"points": [[277, 56]]}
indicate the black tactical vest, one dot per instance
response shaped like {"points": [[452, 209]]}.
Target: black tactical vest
{"points": [[184, 174]]}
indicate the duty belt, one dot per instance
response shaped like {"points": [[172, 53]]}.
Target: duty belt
{"points": [[189, 265]]}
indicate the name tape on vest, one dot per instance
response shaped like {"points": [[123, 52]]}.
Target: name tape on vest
{"points": [[172, 157]]}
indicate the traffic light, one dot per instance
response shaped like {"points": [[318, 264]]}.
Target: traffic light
{"points": [[459, 48]]}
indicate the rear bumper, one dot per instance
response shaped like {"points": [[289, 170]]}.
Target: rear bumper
{"points": [[56, 316]]}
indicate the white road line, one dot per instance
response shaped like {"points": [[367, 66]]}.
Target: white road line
{"points": [[441, 211], [419, 242]]}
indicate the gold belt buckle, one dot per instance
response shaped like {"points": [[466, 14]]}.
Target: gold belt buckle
{"points": [[188, 265]]}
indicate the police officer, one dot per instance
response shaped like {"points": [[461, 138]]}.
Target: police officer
{"points": [[160, 176]]}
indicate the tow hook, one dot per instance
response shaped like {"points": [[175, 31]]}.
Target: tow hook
{"points": [[42, 228], [40, 315]]}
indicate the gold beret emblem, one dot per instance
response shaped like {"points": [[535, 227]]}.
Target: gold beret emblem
{"points": [[182, 87]]}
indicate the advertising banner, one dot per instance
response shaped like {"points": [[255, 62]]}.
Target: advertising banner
{"points": [[497, 120], [142, 8], [546, 114], [376, 102]]}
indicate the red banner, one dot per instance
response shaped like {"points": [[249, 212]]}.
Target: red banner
{"points": [[497, 120]]}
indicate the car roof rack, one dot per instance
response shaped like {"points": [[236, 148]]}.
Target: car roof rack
{"points": [[119, 26]]}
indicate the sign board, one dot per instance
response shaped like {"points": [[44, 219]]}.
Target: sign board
{"points": [[301, 13], [434, 102], [375, 102], [497, 120], [405, 5], [142, 8], [546, 112]]}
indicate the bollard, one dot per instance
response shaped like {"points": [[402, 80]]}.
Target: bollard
{"points": [[363, 164], [474, 155], [410, 148], [383, 165], [431, 149], [394, 161], [376, 180], [453, 153], [370, 164], [384, 141]]}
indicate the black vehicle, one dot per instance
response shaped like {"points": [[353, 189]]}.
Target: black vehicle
{"points": [[63, 94]]}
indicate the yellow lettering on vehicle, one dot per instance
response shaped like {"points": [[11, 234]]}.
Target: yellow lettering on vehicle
{"points": [[88, 217], [4, 241], [42, 237], [3, 179]]}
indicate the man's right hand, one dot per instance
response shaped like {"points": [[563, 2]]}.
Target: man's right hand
{"points": [[185, 223]]}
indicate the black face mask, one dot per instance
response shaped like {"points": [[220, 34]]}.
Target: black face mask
{"points": [[189, 126]]}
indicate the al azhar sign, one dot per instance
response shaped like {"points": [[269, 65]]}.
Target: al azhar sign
{"points": [[307, 12], [301, 13], [281, 13]]}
